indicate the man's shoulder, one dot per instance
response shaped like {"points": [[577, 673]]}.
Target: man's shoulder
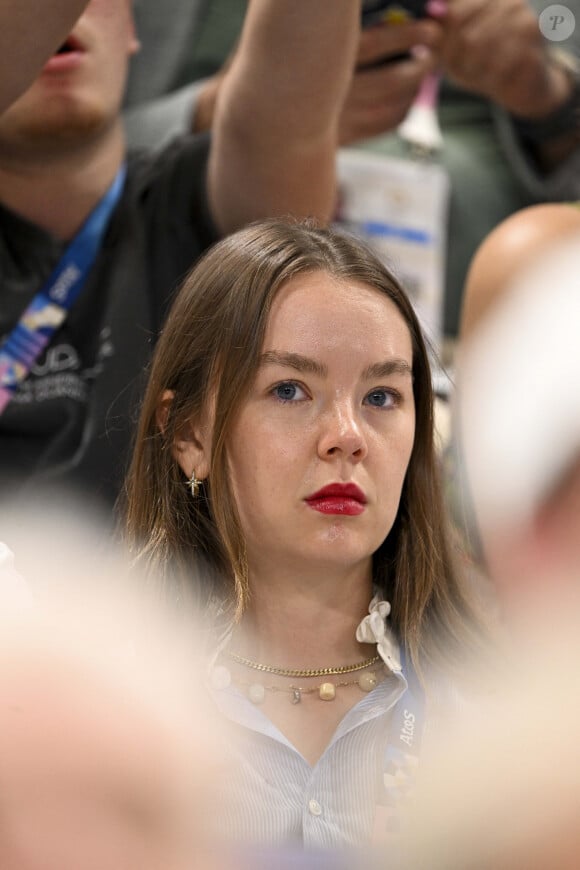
{"points": [[187, 155], [168, 188]]}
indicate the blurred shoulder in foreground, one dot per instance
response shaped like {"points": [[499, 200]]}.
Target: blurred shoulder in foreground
{"points": [[108, 749]]}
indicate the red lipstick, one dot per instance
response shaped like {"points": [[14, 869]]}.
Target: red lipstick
{"points": [[338, 498]]}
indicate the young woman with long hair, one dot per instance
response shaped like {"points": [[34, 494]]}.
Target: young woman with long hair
{"points": [[285, 473]]}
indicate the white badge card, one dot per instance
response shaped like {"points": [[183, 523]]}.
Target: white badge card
{"points": [[400, 207]]}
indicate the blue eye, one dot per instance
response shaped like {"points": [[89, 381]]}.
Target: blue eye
{"points": [[381, 399], [288, 391]]}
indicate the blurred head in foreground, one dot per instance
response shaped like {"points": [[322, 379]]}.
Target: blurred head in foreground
{"points": [[519, 406], [106, 744], [503, 792]]}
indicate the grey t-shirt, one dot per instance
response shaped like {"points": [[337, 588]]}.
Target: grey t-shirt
{"points": [[182, 42]]}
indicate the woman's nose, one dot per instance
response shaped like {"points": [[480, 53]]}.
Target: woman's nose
{"points": [[342, 433]]}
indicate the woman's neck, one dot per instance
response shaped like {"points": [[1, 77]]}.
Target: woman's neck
{"points": [[305, 623]]}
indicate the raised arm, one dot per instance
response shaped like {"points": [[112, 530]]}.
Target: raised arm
{"points": [[30, 31], [276, 122]]}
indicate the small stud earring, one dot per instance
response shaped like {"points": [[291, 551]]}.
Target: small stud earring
{"points": [[193, 483]]}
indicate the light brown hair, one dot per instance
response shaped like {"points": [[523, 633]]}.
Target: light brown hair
{"points": [[210, 348]]}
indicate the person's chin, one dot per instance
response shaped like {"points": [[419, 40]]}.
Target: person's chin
{"points": [[50, 123], [74, 126], [342, 544]]}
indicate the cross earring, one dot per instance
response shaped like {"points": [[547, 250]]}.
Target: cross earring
{"points": [[194, 484]]}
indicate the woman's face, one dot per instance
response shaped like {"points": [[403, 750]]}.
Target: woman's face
{"points": [[331, 406]]}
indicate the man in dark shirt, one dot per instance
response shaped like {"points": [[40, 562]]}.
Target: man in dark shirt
{"points": [[61, 148]]}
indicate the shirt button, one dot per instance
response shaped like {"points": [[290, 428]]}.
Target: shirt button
{"points": [[315, 808]]}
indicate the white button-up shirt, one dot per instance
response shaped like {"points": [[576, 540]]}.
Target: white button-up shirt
{"points": [[272, 795]]}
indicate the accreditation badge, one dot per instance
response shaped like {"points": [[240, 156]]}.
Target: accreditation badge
{"points": [[400, 207]]}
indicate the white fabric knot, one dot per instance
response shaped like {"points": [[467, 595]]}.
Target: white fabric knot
{"points": [[374, 629]]}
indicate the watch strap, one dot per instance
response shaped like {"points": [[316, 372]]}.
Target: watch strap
{"points": [[563, 121]]}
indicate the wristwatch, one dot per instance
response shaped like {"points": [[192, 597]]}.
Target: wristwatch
{"points": [[566, 119]]}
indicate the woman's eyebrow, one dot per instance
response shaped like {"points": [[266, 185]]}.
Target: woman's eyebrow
{"points": [[393, 366], [308, 365], [294, 361]]}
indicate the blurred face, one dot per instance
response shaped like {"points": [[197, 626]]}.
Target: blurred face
{"points": [[539, 558], [106, 763], [320, 450], [88, 781], [80, 89]]}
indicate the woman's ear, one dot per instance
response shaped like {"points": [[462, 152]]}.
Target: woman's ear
{"points": [[163, 407], [192, 447]]}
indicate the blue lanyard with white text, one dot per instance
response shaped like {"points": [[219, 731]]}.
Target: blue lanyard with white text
{"points": [[401, 758], [50, 306]]}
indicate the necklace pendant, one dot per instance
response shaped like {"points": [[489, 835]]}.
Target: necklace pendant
{"points": [[296, 696], [367, 682], [256, 693], [327, 692]]}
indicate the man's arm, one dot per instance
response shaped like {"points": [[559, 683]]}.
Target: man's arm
{"points": [[276, 122], [30, 31]]}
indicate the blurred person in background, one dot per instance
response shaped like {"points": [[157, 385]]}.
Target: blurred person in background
{"points": [[94, 240], [507, 105], [16, 44]]}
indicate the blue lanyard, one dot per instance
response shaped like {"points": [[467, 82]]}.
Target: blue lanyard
{"points": [[401, 758], [50, 306]]}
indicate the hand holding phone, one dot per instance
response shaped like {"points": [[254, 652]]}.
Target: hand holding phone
{"points": [[382, 91], [392, 11]]}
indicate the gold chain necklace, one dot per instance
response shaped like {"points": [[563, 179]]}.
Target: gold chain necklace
{"points": [[309, 672]]}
